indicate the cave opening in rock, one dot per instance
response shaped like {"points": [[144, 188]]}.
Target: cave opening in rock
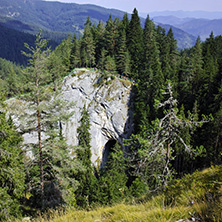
{"points": [[106, 151]]}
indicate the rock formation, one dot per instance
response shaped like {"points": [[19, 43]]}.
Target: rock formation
{"points": [[108, 104], [108, 101]]}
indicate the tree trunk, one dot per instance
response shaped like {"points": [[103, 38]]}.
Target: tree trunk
{"points": [[40, 139]]}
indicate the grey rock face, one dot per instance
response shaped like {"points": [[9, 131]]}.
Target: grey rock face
{"points": [[108, 103]]}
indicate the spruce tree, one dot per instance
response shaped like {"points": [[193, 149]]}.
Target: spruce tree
{"points": [[84, 193], [185, 77], [216, 131], [173, 56], [110, 64], [134, 43], [99, 41], [151, 55], [111, 36], [75, 54], [112, 180], [84, 137], [102, 59], [88, 45], [164, 52], [125, 22], [150, 79], [197, 66], [12, 174], [63, 52], [154, 153], [56, 69], [122, 55]]}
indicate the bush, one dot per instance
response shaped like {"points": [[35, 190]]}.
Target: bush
{"points": [[138, 188], [200, 190]]}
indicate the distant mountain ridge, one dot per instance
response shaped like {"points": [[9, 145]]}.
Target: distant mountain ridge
{"points": [[55, 16], [12, 43], [194, 26], [184, 39], [58, 19], [187, 14], [30, 15]]}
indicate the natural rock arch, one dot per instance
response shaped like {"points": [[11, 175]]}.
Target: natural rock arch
{"points": [[106, 150]]}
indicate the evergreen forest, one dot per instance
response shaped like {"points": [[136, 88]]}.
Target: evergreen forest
{"points": [[177, 97]]}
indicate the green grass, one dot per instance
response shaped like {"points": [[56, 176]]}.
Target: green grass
{"points": [[150, 211], [198, 196]]}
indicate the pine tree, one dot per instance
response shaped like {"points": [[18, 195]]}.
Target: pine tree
{"points": [[37, 76], [52, 161]]}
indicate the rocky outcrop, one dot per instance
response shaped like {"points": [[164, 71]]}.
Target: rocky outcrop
{"points": [[108, 102]]}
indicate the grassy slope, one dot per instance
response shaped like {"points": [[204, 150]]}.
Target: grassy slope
{"points": [[153, 210], [197, 196]]}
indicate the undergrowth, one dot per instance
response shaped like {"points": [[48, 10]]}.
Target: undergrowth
{"points": [[195, 197], [202, 191]]}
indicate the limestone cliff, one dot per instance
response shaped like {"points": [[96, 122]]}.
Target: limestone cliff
{"points": [[108, 102]]}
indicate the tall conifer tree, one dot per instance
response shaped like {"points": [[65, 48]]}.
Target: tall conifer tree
{"points": [[111, 35], [51, 156], [88, 45], [135, 43], [173, 56], [122, 55], [75, 53], [112, 181], [150, 78], [85, 191], [99, 40]]}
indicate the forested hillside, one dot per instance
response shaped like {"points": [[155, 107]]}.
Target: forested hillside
{"points": [[177, 119], [32, 15], [70, 18], [12, 43]]}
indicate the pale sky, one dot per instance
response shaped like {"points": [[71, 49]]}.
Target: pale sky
{"points": [[154, 5]]}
